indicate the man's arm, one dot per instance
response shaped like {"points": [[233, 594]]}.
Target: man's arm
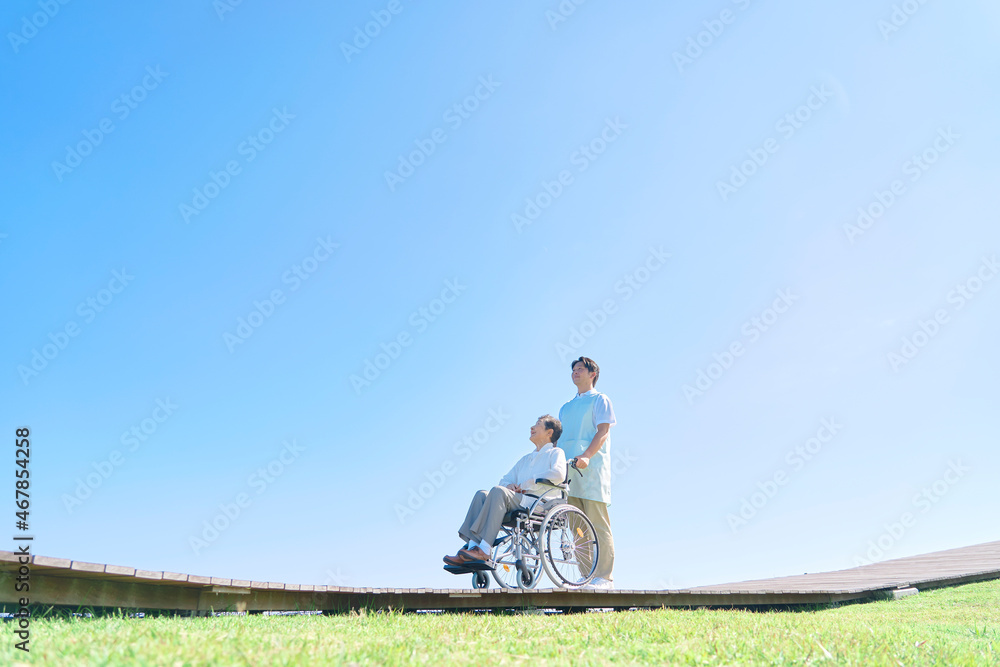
{"points": [[510, 476], [510, 479], [555, 472], [603, 430], [558, 472], [604, 416]]}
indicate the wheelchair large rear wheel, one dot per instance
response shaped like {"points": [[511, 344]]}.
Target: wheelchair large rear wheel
{"points": [[569, 546], [508, 572]]}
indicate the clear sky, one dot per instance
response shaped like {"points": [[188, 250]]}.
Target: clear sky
{"points": [[249, 237]]}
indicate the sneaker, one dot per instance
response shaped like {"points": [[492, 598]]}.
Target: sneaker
{"points": [[598, 582]]}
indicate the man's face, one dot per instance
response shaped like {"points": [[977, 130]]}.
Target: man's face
{"points": [[540, 434], [581, 374]]}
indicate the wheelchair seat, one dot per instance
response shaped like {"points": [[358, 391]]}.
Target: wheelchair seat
{"points": [[510, 518]]}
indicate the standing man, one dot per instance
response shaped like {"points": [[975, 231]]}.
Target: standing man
{"points": [[587, 422]]}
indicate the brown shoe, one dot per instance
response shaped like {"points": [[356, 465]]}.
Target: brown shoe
{"points": [[474, 554], [453, 560]]}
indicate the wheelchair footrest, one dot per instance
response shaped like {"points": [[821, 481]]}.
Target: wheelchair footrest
{"points": [[467, 568]]}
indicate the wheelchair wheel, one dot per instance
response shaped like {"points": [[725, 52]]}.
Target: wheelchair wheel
{"points": [[480, 579], [569, 546], [509, 573]]}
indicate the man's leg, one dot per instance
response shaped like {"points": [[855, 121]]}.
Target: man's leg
{"points": [[597, 512], [475, 509], [498, 502]]}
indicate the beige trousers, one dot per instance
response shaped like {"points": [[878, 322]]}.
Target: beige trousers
{"points": [[597, 512], [486, 512]]}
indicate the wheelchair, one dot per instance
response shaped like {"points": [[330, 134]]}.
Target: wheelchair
{"points": [[550, 535]]}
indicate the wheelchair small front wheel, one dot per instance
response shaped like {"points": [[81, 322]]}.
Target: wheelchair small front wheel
{"points": [[480, 579], [526, 578], [512, 572]]}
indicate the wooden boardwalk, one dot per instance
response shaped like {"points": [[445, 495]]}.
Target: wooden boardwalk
{"points": [[59, 581]]}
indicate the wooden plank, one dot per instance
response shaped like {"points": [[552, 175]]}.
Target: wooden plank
{"points": [[81, 566], [45, 561], [229, 590], [148, 574], [120, 570]]}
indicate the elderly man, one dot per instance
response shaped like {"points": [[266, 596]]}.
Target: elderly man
{"points": [[486, 513]]}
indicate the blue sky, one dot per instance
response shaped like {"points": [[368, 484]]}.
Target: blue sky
{"points": [[188, 168]]}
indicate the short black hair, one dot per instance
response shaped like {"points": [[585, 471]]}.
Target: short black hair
{"points": [[590, 365], [554, 424]]}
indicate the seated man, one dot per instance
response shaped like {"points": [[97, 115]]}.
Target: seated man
{"points": [[486, 513]]}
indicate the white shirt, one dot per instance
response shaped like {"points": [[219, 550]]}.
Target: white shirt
{"points": [[549, 463]]}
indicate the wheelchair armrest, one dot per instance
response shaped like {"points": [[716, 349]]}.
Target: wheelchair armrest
{"points": [[548, 482]]}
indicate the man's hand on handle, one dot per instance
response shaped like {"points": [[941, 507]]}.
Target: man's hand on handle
{"points": [[582, 462]]}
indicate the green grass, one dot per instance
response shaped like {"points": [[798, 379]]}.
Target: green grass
{"points": [[957, 626]]}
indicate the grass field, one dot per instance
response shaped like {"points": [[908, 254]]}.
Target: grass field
{"points": [[957, 626]]}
